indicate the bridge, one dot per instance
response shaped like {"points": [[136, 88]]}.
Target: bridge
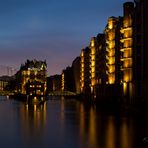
{"points": [[62, 93], [6, 93]]}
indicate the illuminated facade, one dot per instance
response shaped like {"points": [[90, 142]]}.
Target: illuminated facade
{"points": [[114, 65], [31, 76], [3, 85], [112, 36], [63, 82], [93, 50], [35, 90], [82, 71], [110, 57], [7, 83], [112, 40], [127, 51], [97, 65]]}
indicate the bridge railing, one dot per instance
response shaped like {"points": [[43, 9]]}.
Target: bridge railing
{"points": [[61, 93], [6, 93]]}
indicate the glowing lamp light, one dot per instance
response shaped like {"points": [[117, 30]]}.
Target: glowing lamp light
{"points": [[111, 79], [92, 43]]}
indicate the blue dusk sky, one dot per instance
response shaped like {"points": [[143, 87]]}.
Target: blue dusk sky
{"points": [[51, 30]]}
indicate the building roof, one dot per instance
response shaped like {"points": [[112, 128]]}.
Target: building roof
{"points": [[34, 64]]}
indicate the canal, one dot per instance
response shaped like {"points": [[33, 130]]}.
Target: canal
{"points": [[67, 123]]}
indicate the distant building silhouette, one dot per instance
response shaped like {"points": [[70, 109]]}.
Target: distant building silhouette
{"points": [[54, 83], [141, 47], [76, 74], [68, 83], [85, 71], [5, 82], [100, 68]]}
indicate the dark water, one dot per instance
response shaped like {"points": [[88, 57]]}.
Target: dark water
{"points": [[61, 123]]}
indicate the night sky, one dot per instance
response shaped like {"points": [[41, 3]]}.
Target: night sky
{"points": [[55, 30]]}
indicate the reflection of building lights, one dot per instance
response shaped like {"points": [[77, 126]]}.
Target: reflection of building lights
{"points": [[35, 98], [124, 88], [35, 108], [27, 107]]}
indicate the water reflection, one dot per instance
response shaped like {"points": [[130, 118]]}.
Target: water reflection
{"points": [[67, 123], [126, 137], [33, 121], [110, 134], [102, 131]]}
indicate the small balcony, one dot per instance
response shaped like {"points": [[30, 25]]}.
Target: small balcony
{"points": [[125, 29], [124, 59], [125, 49], [125, 39]]}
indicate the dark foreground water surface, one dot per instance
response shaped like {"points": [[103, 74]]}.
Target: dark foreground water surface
{"points": [[61, 123]]}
